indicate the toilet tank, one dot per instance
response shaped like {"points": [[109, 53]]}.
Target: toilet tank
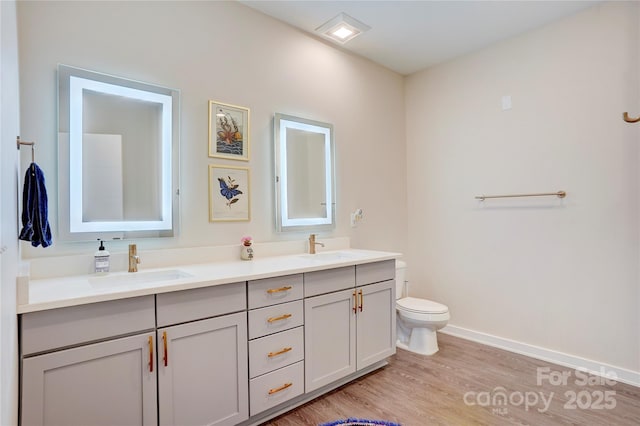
{"points": [[401, 277]]}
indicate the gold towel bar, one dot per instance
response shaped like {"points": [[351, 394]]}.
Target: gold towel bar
{"points": [[559, 194], [629, 119], [31, 144]]}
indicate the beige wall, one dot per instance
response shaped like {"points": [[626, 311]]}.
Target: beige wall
{"points": [[562, 275], [230, 53]]}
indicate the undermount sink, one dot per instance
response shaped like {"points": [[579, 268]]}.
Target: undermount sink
{"points": [[138, 278], [331, 256]]}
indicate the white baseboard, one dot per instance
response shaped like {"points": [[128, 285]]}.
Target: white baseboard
{"points": [[598, 368]]}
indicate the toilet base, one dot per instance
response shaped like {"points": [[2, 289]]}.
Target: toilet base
{"points": [[422, 341]]}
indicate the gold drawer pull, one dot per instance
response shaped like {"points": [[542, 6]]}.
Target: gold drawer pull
{"points": [[281, 388], [280, 352], [278, 290], [280, 318]]}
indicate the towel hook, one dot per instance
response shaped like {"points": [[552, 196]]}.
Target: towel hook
{"points": [[629, 119], [31, 144]]}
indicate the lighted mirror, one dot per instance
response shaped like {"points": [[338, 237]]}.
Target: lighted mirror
{"points": [[304, 164], [118, 146]]}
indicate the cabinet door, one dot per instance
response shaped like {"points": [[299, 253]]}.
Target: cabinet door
{"points": [[108, 383], [203, 373], [376, 324], [330, 341]]}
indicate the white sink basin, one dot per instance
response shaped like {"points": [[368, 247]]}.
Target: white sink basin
{"points": [[332, 256], [138, 278]]}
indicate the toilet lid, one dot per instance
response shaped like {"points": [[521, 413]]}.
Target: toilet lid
{"points": [[414, 304]]}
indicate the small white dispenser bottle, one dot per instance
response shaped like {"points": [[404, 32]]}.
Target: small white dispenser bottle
{"points": [[101, 258]]}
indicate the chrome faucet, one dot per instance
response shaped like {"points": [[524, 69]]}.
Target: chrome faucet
{"points": [[134, 259], [313, 243]]}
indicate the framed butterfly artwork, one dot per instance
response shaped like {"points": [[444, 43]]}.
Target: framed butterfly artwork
{"points": [[228, 131], [229, 193]]}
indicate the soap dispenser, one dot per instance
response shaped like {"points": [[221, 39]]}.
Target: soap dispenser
{"points": [[101, 258]]}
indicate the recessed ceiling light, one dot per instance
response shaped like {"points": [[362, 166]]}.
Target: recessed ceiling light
{"points": [[342, 28], [342, 32]]}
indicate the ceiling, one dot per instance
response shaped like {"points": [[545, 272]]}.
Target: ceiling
{"points": [[408, 36]]}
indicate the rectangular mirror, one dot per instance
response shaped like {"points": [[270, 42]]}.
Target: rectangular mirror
{"points": [[304, 167], [118, 148]]}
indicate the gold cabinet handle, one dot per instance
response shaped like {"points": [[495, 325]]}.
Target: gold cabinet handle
{"points": [[361, 300], [166, 353], [355, 302], [281, 388], [280, 318], [279, 290], [280, 352], [151, 354]]}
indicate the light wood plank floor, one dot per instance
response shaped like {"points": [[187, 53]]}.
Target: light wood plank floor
{"points": [[415, 390]]}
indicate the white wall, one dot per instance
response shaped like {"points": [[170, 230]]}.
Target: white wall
{"points": [[562, 275], [226, 52], [9, 123]]}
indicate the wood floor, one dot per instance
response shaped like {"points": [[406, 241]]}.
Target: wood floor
{"points": [[462, 385]]}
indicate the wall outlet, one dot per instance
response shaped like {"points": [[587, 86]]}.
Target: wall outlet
{"points": [[355, 217]]}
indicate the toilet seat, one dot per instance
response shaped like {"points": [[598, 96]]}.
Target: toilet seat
{"points": [[420, 306]]}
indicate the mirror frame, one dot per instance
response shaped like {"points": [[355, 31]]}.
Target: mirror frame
{"points": [[71, 84], [283, 222]]}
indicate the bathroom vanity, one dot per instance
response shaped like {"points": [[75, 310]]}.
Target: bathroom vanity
{"points": [[222, 343]]}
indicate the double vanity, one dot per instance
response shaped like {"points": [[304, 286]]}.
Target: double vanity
{"points": [[207, 343], [217, 344]]}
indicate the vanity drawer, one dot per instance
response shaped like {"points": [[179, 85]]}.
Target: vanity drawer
{"points": [[369, 273], [198, 303], [270, 291], [275, 318], [58, 328], [275, 351], [276, 387], [329, 280]]}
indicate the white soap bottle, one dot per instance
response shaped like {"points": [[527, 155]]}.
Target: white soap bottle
{"points": [[101, 258]]}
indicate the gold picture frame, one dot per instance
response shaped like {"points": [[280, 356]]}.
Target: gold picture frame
{"points": [[229, 193], [229, 131]]}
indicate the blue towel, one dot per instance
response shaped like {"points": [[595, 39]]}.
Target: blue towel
{"points": [[35, 225]]}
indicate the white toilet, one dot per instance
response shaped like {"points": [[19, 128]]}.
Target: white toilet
{"points": [[417, 319]]}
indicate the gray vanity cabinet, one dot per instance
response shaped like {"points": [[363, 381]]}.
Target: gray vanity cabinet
{"points": [[376, 316], [75, 370], [375, 323], [348, 330], [84, 385], [330, 338], [229, 354], [200, 381], [276, 348], [202, 371]]}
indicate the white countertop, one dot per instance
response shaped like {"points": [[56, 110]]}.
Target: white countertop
{"points": [[59, 292]]}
